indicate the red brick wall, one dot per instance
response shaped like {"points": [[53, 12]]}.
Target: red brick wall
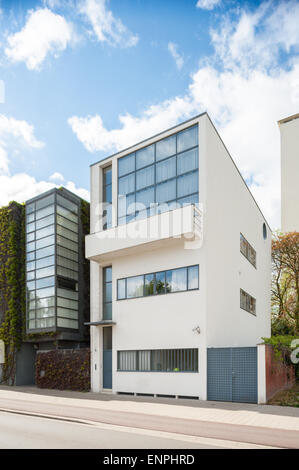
{"points": [[278, 375]]}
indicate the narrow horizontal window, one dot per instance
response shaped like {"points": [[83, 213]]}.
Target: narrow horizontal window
{"points": [[158, 360]]}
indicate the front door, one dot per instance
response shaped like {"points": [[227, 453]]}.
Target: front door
{"points": [[107, 357]]}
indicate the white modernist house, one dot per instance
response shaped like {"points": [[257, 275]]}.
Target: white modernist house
{"points": [[180, 270], [289, 142]]}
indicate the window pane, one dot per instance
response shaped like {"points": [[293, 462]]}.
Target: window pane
{"points": [[176, 280], [145, 156], [65, 312], [30, 218], [71, 206], [107, 311], [30, 285], [46, 201], [67, 253], [145, 177], [67, 223], [30, 246], [67, 273], [44, 222], [42, 263], [30, 227], [67, 263], [187, 161], [45, 312], [193, 278], [187, 139], [30, 237], [188, 200], [44, 242], [126, 164], [67, 243], [45, 232], [45, 303], [126, 184], [45, 323], [166, 147], [67, 233], [108, 292], [126, 360], [30, 275], [149, 284], [135, 286], [30, 266], [144, 360], [121, 289], [45, 293], [67, 293], [160, 283], [166, 191], [166, 170], [44, 212], [107, 175], [45, 282], [30, 256], [64, 323], [126, 205], [67, 214], [108, 274], [188, 184], [50, 271], [144, 198], [30, 208], [107, 196], [45, 252]]}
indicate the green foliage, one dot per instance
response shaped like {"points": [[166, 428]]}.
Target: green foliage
{"points": [[282, 349]]}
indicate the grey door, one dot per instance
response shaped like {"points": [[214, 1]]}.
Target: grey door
{"points": [[232, 374], [107, 357]]}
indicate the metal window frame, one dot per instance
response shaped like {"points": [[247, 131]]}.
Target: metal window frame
{"points": [[248, 297], [247, 255]]}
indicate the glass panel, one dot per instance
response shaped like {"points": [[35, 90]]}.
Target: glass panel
{"points": [[166, 191], [187, 139], [44, 212], [46, 302], [108, 274], [30, 266], [42, 263], [67, 303], [45, 252], [30, 285], [134, 286], [30, 276], [108, 193], [187, 161], [121, 289], [67, 253], [144, 360], [45, 242], [176, 280], [30, 218], [46, 201], [149, 284], [45, 292], [44, 222], [188, 200], [166, 147], [108, 292], [67, 273], [67, 243], [30, 246], [160, 282], [145, 156], [50, 271], [107, 174], [30, 256], [67, 223], [67, 293], [45, 312], [67, 214], [166, 170], [31, 324], [66, 263], [126, 205], [126, 360], [126, 164], [65, 312], [71, 206], [45, 282], [193, 277], [144, 198], [145, 177], [30, 237], [45, 323], [188, 184], [67, 233], [64, 323], [126, 184], [30, 208], [107, 338], [107, 311], [30, 227], [45, 232]]}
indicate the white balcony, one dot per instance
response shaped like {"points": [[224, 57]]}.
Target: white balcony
{"points": [[177, 226]]}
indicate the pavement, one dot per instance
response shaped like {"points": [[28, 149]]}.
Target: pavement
{"points": [[254, 425]]}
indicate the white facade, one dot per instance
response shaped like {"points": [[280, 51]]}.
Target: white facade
{"points": [[210, 238], [289, 141]]}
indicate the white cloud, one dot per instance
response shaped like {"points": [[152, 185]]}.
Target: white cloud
{"points": [[207, 4], [245, 89], [57, 177], [105, 27], [173, 49], [44, 33]]}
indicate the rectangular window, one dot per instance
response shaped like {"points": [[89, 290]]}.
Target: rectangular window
{"points": [[162, 282], [158, 360], [247, 302], [247, 250], [166, 148], [107, 197], [107, 293]]}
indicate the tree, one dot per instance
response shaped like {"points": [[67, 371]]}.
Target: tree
{"points": [[285, 283]]}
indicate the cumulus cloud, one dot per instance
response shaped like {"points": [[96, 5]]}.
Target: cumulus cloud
{"points": [[173, 49], [57, 177], [207, 4], [245, 87], [105, 27], [44, 33]]}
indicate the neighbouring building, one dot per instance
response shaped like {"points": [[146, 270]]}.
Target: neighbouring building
{"points": [[180, 270], [289, 142]]}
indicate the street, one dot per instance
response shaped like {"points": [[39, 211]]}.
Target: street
{"points": [[39, 419]]}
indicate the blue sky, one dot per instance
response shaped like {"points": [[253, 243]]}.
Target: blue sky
{"points": [[85, 78]]}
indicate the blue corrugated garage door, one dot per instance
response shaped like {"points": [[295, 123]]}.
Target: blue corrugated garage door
{"points": [[232, 374]]}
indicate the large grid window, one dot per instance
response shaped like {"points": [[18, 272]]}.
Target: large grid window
{"points": [[247, 250], [247, 302], [165, 173], [162, 282], [52, 263], [158, 360]]}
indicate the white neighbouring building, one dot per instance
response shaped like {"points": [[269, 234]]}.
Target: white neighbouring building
{"points": [[289, 143], [180, 270]]}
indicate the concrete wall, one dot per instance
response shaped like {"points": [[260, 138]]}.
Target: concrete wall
{"points": [[231, 209], [289, 141]]}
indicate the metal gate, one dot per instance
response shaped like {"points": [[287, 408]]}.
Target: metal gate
{"points": [[232, 374]]}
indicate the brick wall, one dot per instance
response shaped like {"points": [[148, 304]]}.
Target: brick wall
{"points": [[278, 375]]}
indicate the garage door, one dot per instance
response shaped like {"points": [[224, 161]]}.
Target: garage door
{"points": [[232, 374]]}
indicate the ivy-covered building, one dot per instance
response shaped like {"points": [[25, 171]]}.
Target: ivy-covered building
{"points": [[44, 286]]}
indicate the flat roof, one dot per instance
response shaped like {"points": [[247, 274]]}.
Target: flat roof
{"points": [[289, 118], [60, 190]]}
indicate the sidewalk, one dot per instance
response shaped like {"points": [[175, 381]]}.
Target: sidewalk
{"points": [[264, 416]]}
